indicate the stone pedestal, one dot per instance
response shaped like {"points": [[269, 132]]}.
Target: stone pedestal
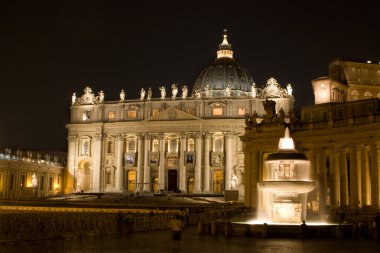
{"points": [[231, 195]]}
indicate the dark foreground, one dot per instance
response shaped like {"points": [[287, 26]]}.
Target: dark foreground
{"points": [[159, 241]]}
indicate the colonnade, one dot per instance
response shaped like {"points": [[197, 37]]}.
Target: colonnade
{"points": [[347, 176], [201, 170]]}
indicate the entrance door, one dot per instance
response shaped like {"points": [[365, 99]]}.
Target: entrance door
{"points": [[172, 180], [131, 180], [218, 181], [84, 176]]}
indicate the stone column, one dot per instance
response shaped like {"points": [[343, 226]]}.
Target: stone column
{"points": [[146, 187], [96, 171], [182, 166], [355, 177], [206, 165], [161, 167], [140, 171], [251, 178], [198, 162], [334, 178], [119, 163], [322, 180], [375, 174], [228, 166], [70, 173], [343, 178], [365, 179]]}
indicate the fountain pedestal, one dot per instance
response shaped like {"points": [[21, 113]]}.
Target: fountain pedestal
{"points": [[287, 180]]}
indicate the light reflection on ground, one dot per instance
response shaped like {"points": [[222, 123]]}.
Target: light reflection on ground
{"points": [[269, 222]]}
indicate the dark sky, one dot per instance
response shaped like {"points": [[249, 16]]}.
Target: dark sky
{"points": [[50, 49]]}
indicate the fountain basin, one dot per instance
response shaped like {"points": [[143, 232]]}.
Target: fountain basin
{"points": [[287, 186]]}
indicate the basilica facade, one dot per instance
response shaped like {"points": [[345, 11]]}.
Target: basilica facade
{"points": [[187, 140], [339, 134]]}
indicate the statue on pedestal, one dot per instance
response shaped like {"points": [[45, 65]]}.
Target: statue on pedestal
{"points": [[228, 91], [101, 96], [122, 95], [73, 98], [289, 89], [184, 92], [142, 94], [270, 109], [207, 90], [197, 92], [163, 92], [253, 90], [174, 91], [282, 115], [149, 96], [234, 182]]}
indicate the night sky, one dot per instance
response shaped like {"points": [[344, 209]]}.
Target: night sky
{"points": [[50, 49]]}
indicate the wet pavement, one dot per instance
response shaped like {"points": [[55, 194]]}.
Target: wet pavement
{"points": [[160, 241]]}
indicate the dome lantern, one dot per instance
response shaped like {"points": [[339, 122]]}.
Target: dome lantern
{"points": [[224, 48]]}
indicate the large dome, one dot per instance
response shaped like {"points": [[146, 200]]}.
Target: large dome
{"points": [[222, 73]]}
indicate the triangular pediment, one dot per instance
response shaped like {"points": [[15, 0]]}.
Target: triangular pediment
{"points": [[173, 114]]}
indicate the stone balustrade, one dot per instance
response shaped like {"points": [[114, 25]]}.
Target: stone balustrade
{"points": [[43, 223]]}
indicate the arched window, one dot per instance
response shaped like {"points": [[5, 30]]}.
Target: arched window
{"points": [[132, 146], [355, 95], [218, 145], [190, 145], [155, 145], [173, 146], [368, 94]]}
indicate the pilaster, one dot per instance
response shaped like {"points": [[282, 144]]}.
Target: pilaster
{"points": [[140, 171], [198, 162], [146, 187], [182, 167], [71, 154], [119, 163], [228, 167], [97, 157], [206, 164], [161, 167]]}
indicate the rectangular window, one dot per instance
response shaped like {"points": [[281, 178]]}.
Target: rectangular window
{"points": [[11, 182], [50, 183], [131, 114], [241, 111], [42, 182], [217, 111], [155, 112], [23, 181], [111, 115]]}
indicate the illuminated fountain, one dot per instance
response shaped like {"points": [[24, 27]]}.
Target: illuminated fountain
{"points": [[286, 181]]}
